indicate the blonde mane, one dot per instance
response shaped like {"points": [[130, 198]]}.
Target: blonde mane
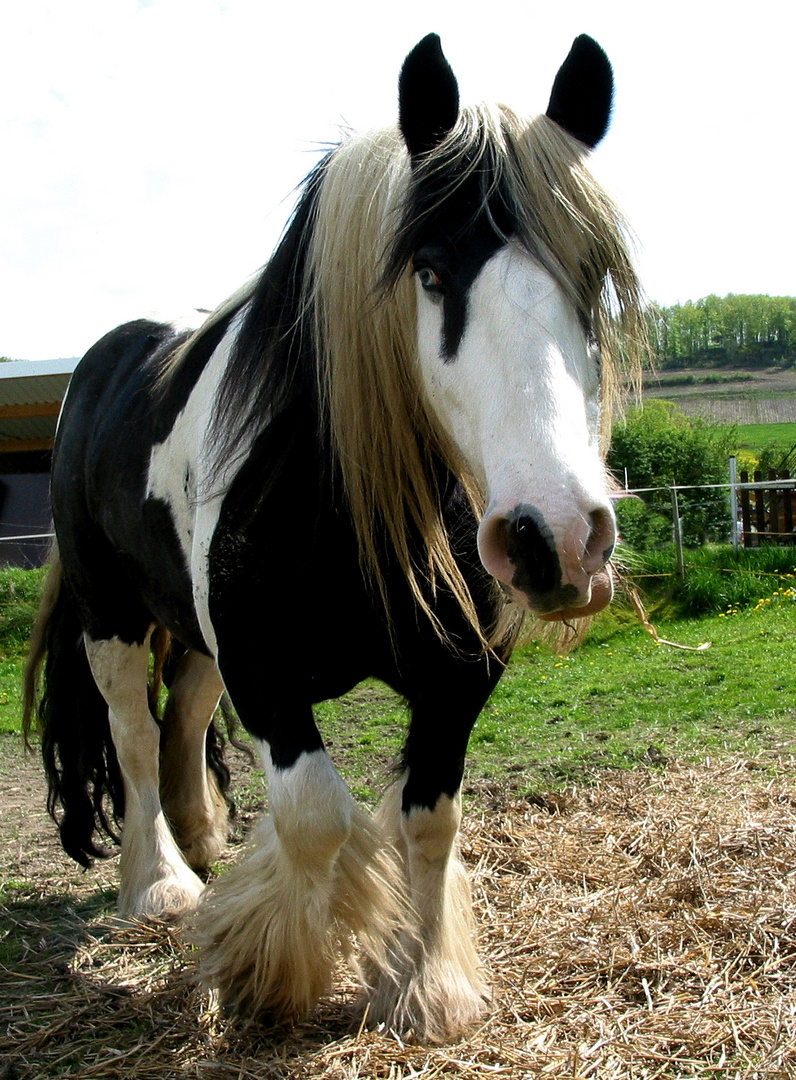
{"points": [[349, 251], [387, 442]]}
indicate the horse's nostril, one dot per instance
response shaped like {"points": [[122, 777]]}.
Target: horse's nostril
{"points": [[520, 549], [601, 540], [531, 547]]}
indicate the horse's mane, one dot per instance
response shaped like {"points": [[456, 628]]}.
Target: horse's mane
{"points": [[333, 315]]}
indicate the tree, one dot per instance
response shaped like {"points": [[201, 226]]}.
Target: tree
{"points": [[754, 329]]}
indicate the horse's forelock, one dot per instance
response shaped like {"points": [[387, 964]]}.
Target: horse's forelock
{"points": [[536, 188]]}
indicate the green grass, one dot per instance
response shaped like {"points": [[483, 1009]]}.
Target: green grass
{"points": [[753, 437], [618, 701], [10, 691], [621, 698], [19, 598]]}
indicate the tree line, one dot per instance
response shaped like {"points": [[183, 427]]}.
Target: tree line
{"points": [[716, 330]]}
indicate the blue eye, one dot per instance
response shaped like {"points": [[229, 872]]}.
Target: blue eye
{"points": [[430, 281]]}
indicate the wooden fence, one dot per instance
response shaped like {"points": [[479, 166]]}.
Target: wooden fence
{"points": [[767, 512]]}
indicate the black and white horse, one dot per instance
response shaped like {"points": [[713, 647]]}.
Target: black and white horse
{"points": [[354, 468]]}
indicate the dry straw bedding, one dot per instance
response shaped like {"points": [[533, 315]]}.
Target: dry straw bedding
{"points": [[640, 928]]}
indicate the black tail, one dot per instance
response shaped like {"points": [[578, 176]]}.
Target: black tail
{"points": [[72, 718]]}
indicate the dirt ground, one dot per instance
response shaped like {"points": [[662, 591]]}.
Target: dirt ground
{"points": [[28, 839], [30, 851], [637, 929]]}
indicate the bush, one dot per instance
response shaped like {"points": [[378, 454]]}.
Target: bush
{"points": [[641, 527], [657, 446]]}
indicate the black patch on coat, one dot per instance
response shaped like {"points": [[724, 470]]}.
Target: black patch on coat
{"points": [[453, 229]]}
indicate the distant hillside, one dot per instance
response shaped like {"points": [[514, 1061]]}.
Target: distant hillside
{"points": [[734, 396], [730, 331]]}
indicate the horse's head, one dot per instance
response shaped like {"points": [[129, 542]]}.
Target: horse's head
{"points": [[510, 268]]}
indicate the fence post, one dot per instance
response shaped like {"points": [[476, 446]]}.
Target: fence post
{"points": [[746, 512], [678, 535], [734, 502], [760, 508], [786, 497]]}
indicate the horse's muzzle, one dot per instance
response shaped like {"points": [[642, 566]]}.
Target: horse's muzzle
{"points": [[555, 573]]}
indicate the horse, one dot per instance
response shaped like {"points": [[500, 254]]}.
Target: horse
{"points": [[364, 464]]}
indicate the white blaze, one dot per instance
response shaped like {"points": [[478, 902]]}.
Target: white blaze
{"points": [[521, 401]]}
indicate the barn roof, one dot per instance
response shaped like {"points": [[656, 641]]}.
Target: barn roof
{"points": [[31, 392]]}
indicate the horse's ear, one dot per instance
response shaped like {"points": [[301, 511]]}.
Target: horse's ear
{"points": [[428, 96], [583, 92]]}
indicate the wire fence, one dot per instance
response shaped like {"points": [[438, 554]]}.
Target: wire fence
{"points": [[744, 512], [25, 550]]}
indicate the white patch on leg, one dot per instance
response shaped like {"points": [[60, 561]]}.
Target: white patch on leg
{"points": [[155, 880], [439, 990], [310, 804], [314, 875], [193, 804]]}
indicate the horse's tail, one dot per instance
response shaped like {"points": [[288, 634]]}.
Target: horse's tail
{"points": [[71, 716]]}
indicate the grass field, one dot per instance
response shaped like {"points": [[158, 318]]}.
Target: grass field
{"points": [[762, 398], [753, 438], [619, 700]]}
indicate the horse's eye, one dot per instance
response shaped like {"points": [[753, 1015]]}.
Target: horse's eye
{"points": [[430, 281]]}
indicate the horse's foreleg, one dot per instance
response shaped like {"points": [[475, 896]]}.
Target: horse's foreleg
{"points": [[435, 986], [314, 873], [155, 880], [193, 804]]}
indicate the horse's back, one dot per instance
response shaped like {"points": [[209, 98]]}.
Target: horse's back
{"points": [[119, 548]]}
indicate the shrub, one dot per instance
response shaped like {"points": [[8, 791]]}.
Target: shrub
{"points": [[641, 527], [656, 446]]}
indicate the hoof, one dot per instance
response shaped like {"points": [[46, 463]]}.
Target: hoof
{"points": [[168, 900]]}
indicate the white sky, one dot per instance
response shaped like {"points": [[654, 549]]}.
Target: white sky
{"points": [[148, 149]]}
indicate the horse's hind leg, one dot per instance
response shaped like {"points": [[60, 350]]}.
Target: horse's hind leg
{"points": [[156, 882], [192, 801]]}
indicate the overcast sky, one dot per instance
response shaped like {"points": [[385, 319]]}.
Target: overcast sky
{"points": [[149, 147]]}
